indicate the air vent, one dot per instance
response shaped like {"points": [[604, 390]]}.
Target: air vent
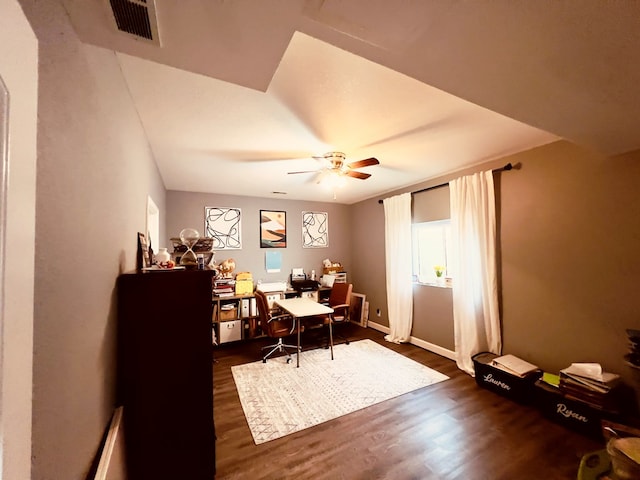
{"points": [[137, 18]]}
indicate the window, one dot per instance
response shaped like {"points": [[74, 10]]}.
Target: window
{"points": [[431, 243]]}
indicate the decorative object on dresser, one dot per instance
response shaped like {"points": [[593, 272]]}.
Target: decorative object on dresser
{"points": [[143, 260], [189, 237], [203, 246], [165, 374], [163, 258]]}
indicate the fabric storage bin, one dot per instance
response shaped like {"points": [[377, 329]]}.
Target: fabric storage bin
{"points": [[519, 389], [573, 414], [230, 331]]}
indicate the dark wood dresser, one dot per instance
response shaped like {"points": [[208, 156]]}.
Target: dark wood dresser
{"points": [[165, 374]]}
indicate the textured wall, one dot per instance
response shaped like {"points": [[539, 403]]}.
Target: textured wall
{"points": [[570, 257], [570, 263], [95, 171]]}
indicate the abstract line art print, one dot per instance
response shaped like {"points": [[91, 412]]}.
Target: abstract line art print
{"points": [[315, 229], [223, 225]]}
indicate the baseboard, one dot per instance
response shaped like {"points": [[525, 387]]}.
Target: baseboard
{"points": [[417, 342], [433, 348], [112, 465], [378, 327]]}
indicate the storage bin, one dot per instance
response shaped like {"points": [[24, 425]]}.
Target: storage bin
{"points": [[229, 314], [519, 389], [332, 269], [230, 331], [573, 414]]}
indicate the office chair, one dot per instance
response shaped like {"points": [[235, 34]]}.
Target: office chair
{"points": [[339, 300], [275, 326]]}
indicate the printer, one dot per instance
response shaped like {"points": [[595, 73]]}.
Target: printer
{"points": [[300, 283]]}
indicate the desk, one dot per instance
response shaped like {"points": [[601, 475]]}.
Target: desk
{"points": [[299, 308]]}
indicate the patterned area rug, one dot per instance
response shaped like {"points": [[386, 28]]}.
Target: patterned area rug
{"points": [[279, 399]]}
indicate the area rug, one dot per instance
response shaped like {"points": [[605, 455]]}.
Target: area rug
{"points": [[279, 399]]}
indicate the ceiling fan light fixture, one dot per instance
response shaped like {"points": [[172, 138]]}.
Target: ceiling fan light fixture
{"points": [[333, 179], [335, 172]]}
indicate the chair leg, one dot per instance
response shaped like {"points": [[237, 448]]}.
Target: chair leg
{"points": [[278, 347], [336, 331]]}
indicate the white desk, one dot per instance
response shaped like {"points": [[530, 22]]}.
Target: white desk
{"points": [[299, 308]]}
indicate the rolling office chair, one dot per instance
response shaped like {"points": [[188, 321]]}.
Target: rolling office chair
{"points": [[275, 326], [339, 300]]}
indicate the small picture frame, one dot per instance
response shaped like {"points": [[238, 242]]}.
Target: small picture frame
{"points": [[273, 229], [357, 309], [144, 260]]}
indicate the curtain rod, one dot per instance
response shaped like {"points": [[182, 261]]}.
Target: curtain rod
{"points": [[507, 167]]}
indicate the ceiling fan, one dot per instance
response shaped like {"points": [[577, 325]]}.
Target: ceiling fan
{"points": [[337, 166]]}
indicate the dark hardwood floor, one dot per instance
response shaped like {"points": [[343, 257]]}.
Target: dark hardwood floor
{"points": [[451, 430]]}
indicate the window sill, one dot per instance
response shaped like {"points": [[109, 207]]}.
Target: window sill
{"points": [[433, 284]]}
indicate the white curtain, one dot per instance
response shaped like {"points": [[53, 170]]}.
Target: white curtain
{"points": [[475, 285], [397, 235]]}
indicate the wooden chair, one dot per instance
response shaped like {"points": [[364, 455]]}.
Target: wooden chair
{"points": [[275, 326]]}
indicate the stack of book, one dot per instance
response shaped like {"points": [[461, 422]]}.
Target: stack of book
{"points": [[587, 383], [514, 365], [633, 357], [224, 287]]}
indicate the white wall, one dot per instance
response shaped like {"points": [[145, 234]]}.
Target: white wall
{"points": [[18, 69]]}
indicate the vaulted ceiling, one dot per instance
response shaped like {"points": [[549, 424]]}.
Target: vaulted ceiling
{"points": [[234, 94]]}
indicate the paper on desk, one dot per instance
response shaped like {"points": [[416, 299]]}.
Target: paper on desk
{"points": [[297, 271]]}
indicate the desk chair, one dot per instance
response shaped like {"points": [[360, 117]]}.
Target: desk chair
{"points": [[275, 326], [339, 300]]}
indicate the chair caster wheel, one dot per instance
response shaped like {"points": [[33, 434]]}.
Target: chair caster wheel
{"points": [[288, 360]]}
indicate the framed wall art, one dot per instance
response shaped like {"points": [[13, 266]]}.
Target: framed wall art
{"points": [[315, 229], [358, 309], [273, 229], [223, 224], [144, 259]]}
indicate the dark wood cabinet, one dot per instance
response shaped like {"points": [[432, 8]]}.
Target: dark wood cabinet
{"points": [[165, 374]]}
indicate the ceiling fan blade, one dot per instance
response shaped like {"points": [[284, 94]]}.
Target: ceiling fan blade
{"points": [[360, 175], [364, 163], [304, 171]]}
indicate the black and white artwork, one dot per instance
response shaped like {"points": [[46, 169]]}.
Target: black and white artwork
{"points": [[224, 226], [315, 229]]}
